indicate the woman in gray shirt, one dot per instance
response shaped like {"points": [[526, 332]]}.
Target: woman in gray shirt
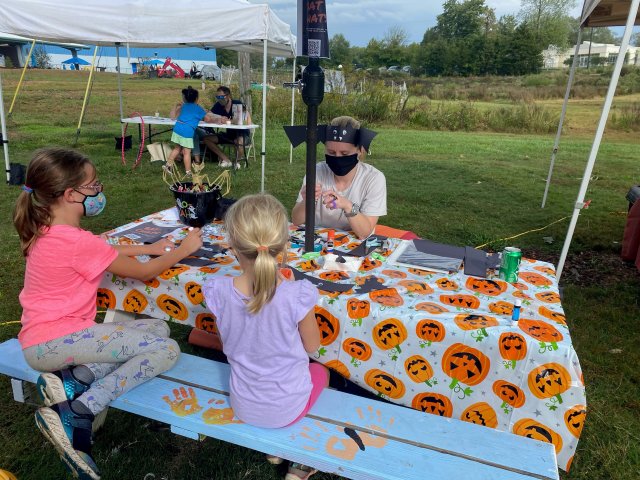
{"points": [[350, 194]]}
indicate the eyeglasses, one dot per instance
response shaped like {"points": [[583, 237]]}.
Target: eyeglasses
{"points": [[97, 187], [220, 97]]}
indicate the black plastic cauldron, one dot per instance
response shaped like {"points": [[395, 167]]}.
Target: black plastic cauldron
{"points": [[196, 209]]}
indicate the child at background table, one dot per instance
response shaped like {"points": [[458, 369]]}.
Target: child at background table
{"points": [[87, 365], [266, 324], [188, 114]]}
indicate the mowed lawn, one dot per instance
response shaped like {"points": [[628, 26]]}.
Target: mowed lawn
{"points": [[459, 188]]}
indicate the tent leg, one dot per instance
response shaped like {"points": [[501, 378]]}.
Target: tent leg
{"points": [[4, 138], [264, 111], [87, 94], [26, 64], [633, 11], [120, 90], [293, 105], [572, 72]]}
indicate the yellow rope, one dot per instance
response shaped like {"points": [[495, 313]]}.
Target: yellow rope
{"points": [[523, 233]]}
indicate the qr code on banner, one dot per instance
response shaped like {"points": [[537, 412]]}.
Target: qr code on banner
{"points": [[313, 47]]}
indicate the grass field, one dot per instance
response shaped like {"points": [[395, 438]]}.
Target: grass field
{"points": [[460, 188]]}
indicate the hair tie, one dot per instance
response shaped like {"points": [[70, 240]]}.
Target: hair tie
{"points": [[262, 248], [27, 189]]}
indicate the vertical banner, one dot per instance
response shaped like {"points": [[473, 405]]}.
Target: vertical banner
{"points": [[312, 29]]}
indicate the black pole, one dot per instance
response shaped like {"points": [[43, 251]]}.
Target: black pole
{"points": [[312, 95]]}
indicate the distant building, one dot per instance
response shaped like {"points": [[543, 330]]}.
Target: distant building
{"points": [[601, 54], [16, 48]]}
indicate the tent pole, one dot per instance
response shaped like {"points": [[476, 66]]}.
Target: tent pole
{"points": [[4, 138], [120, 90], [24, 69], [633, 12], [87, 93], [293, 105], [264, 111], [572, 72]]}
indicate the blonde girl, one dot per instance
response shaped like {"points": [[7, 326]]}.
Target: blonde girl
{"points": [[266, 324]]}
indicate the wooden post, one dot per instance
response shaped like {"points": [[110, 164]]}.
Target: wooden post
{"points": [[245, 80]]}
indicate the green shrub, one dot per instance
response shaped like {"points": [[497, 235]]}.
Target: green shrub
{"points": [[628, 119], [446, 116], [529, 118]]}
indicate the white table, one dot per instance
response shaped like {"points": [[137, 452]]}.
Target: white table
{"points": [[168, 122]]}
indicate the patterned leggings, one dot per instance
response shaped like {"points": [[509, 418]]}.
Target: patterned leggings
{"points": [[121, 356]]}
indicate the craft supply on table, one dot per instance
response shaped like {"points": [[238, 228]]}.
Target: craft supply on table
{"points": [[515, 315], [510, 264], [331, 234], [341, 263]]}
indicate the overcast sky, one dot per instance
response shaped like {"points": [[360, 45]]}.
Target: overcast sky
{"points": [[361, 20]]}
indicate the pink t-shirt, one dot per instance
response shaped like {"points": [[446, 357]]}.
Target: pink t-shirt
{"points": [[64, 268], [270, 382]]}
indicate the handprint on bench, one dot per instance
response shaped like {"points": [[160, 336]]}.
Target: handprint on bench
{"points": [[184, 403], [352, 439]]}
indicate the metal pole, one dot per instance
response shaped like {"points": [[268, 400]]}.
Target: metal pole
{"points": [[264, 111], [572, 72], [4, 138], [589, 53], [633, 11], [24, 69], [293, 105], [312, 94], [87, 93], [120, 90]]}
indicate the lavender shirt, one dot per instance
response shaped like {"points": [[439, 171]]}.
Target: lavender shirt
{"points": [[270, 382]]}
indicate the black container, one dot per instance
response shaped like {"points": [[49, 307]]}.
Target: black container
{"points": [[196, 209], [127, 143]]}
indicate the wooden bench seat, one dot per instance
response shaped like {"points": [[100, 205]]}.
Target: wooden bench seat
{"points": [[343, 434]]}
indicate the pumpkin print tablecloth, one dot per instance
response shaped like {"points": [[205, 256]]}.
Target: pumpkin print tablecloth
{"points": [[443, 344]]}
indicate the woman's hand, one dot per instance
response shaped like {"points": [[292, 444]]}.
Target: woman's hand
{"points": [[318, 192], [161, 247], [332, 201]]}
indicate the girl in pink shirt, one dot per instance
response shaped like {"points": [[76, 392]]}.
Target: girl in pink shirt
{"points": [[267, 324], [86, 365]]}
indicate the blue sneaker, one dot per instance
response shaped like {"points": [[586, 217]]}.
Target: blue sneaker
{"points": [[60, 386], [70, 434]]}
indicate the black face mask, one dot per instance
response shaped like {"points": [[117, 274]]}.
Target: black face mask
{"points": [[340, 166]]}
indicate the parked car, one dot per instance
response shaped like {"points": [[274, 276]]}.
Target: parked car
{"points": [[406, 69], [394, 68]]}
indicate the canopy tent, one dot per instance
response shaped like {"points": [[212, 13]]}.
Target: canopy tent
{"points": [[78, 60], [227, 24], [595, 13]]}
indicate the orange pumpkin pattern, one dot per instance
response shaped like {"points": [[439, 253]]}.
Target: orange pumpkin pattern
{"points": [[430, 330], [172, 307], [485, 286], [480, 413], [549, 380], [465, 364], [442, 344], [540, 330], [105, 298], [389, 333], [134, 302], [509, 393], [384, 383], [328, 325], [357, 348], [434, 403], [528, 427]]}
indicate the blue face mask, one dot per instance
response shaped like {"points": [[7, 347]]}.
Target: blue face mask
{"points": [[93, 204]]}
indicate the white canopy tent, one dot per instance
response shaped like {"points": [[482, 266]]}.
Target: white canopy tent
{"points": [[228, 24], [595, 13]]}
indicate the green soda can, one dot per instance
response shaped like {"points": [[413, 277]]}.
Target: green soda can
{"points": [[510, 264]]}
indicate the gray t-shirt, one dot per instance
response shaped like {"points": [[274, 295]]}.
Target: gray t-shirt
{"points": [[368, 189]]}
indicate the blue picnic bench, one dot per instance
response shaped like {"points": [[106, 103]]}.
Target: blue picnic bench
{"points": [[344, 434]]}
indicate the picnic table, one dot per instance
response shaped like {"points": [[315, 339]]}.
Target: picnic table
{"points": [[441, 343]]}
